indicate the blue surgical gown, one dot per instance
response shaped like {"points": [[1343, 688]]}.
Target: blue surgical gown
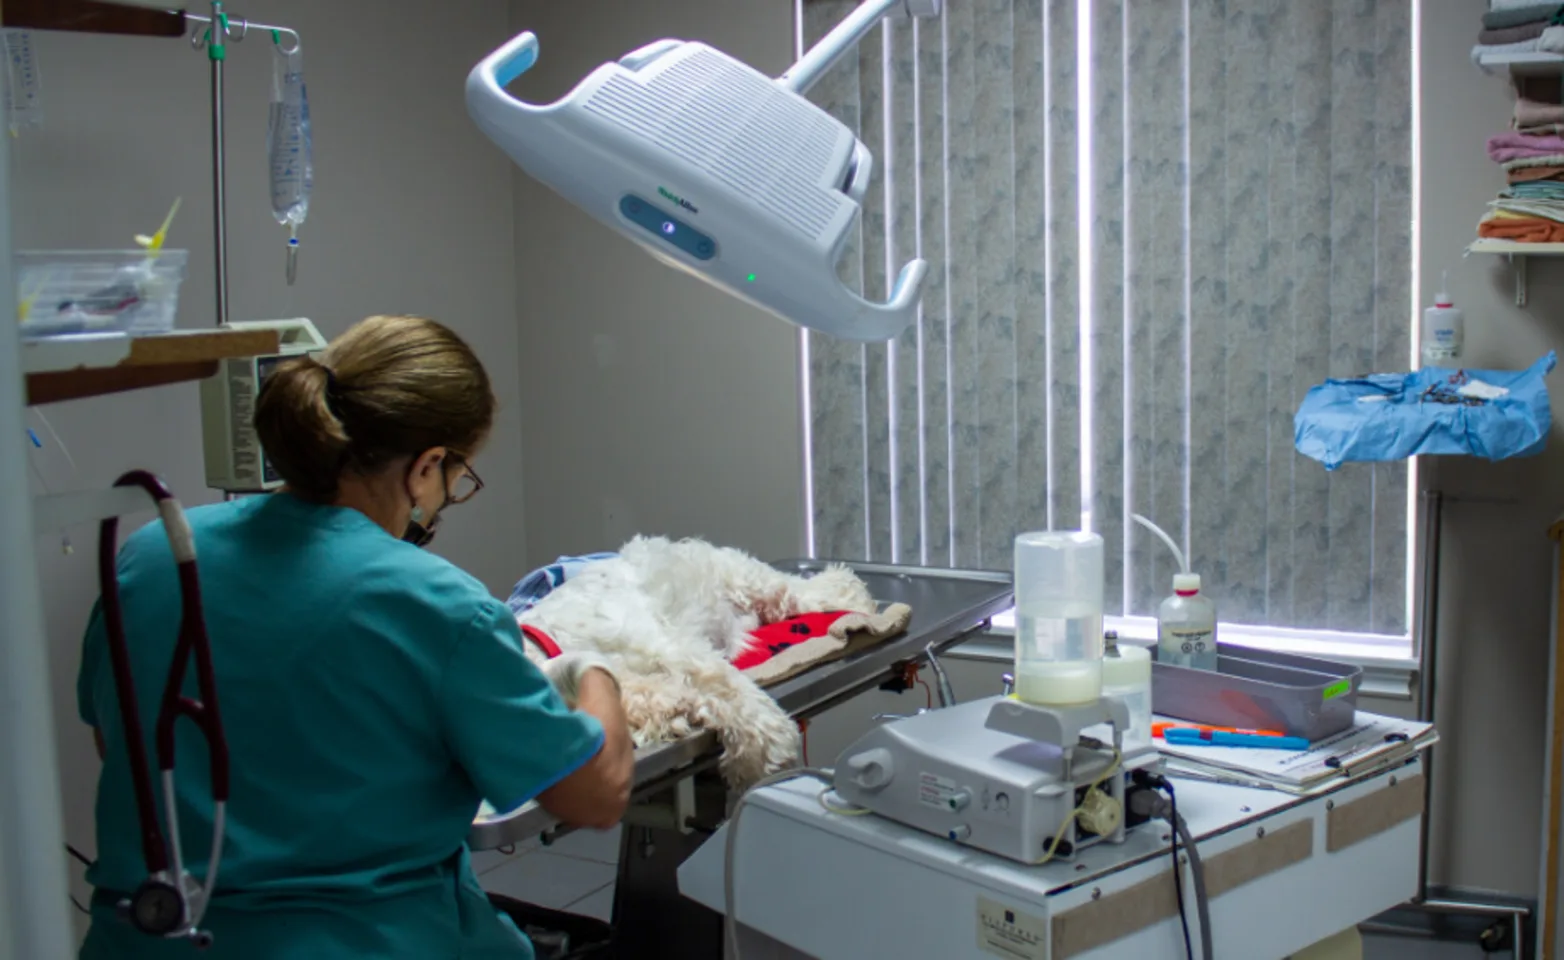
{"points": [[372, 695]]}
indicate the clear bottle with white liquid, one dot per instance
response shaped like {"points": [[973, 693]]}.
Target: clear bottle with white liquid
{"points": [[1059, 585]]}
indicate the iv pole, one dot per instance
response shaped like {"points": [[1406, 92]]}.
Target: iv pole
{"points": [[34, 922], [220, 30]]}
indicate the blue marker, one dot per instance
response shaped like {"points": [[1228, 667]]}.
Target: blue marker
{"points": [[1218, 738]]}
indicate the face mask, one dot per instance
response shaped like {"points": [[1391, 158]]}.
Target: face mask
{"points": [[417, 533]]}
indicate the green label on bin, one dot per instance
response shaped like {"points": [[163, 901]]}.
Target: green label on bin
{"points": [[1338, 689]]}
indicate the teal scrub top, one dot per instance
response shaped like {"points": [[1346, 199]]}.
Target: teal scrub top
{"points": [[372, 693]]}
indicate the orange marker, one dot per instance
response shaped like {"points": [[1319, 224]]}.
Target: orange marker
{"points": [[1158, 728]]}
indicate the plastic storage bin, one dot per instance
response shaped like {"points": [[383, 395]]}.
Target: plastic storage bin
{"points": [[70, 292], [1260, 690]]}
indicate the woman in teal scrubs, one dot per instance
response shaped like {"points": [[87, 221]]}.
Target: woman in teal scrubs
{"points": [[373, 694]]}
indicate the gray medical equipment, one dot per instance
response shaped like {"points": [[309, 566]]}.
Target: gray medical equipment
{"points": [[998, 774]]}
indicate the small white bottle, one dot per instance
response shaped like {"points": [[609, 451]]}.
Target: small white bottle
{"points": [[1126, 673], [1444, 329], [1186, 626]]}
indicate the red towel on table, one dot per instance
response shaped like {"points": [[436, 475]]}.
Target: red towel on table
{"points": [[781, 650]]}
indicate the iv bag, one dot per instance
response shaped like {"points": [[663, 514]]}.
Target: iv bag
{"points": [[288, 140]]}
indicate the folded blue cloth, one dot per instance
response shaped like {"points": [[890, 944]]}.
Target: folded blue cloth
{"points": [[542, 581], [1392, 416]]}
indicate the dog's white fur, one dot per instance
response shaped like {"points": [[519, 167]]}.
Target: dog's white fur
{"points": [[668, 616]]}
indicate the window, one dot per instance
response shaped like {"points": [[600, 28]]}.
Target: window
{"points": [[1151, 226]]}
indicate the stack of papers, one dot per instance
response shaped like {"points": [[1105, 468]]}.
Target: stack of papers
{"points": [[1371, 744]]}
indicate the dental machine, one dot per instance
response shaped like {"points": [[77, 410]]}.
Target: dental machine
{"points": [[713, 167], [1026, 782]]}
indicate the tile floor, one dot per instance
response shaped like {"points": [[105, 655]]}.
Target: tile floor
{"points": [[575, 874]]}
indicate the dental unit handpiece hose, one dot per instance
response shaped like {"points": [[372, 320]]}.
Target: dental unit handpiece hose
{"points": [[1186, 621], [171, 902]]}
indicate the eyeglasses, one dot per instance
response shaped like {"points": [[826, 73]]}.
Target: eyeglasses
{"points": [[466, 485]]}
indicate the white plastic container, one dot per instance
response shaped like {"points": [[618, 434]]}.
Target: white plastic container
{"points": [[1059, 584], [68, 292], [1126, 674], [1444, 331], [1186, 626], [1186, 621]]}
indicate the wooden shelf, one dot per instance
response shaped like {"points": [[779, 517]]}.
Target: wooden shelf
{"points": [[72, 368], [92, 16]]}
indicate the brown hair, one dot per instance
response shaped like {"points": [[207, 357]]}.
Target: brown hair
{"points": [[390, 387]]}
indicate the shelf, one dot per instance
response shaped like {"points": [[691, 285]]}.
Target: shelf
{"points": [[1512, 248], [76, 367], [93, 16], [1533, 64], [1517, 254]]}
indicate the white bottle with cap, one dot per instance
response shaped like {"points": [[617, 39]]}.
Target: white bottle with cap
{"points": [[1444, 329], [1186, 621], [1186, 625]]}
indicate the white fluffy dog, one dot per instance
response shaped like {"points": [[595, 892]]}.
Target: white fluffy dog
{"points": [[668, 616]]}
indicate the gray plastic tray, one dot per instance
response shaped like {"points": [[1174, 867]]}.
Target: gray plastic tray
{"points": [[1260, 690]]}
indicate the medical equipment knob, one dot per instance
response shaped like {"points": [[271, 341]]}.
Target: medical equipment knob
{"points": [[872, 769], [960, 800], [1010, 683], [960, 832]]}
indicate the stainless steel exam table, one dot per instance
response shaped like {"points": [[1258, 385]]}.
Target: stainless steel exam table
{"points": [[678, 801]]}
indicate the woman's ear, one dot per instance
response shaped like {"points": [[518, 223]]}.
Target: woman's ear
{"points": [[430, 463]]}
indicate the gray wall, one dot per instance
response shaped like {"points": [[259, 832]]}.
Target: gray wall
{"points": [[1494, 587], [671, 408], [405, 219]]}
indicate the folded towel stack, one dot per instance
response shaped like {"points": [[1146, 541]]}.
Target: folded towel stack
{"points": [[1519, 26], [1531, 208]]}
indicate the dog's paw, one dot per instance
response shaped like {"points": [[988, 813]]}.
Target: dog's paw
{"points": [[768, 743]]}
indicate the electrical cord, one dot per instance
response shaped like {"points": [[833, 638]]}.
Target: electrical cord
{"points": [[83, 858], [841, 811], [1198, 871], [1150, 804], [78, 855], [1178, 879]]}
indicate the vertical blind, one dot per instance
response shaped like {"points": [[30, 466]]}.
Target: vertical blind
{"points": [[1151, 226]]}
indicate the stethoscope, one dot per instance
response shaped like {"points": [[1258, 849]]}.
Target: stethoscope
{"points": [[170, 902]]}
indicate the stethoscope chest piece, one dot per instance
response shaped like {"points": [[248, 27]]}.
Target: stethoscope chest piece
{"points": [[159, 909], [156, 908]]}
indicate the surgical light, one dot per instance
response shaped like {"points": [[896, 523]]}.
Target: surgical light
{"points": [[713, 167]]}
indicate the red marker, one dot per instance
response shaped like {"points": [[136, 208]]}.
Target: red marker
{"points": [[1157, 729]]}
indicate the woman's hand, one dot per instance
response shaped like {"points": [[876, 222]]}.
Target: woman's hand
{"points": [[565, 672], [598, 794]]}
